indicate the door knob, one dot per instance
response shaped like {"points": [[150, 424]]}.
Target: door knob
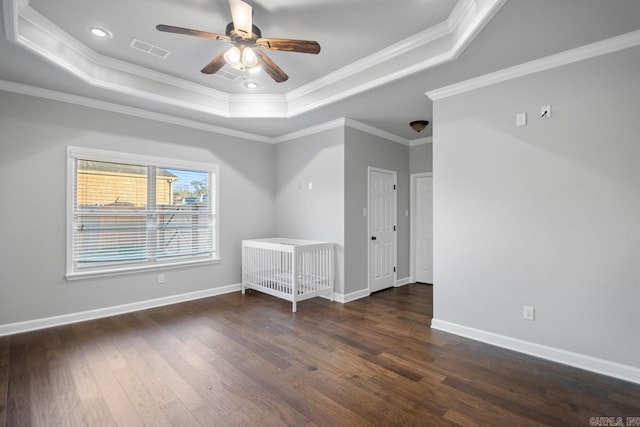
{"points": [[374, 238]]}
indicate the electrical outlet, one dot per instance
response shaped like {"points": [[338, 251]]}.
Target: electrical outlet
{"points": [[529, 313], [160, 278]]}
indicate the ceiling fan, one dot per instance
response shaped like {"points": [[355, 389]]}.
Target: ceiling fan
{"points": [[247, 41]]}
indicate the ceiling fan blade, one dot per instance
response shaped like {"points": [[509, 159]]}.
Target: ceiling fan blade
{"points": [[215, 65], [289, 45], [242, 16], [271, 68], [190, 32]]}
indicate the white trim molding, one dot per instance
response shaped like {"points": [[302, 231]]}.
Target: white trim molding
{"points": [[592, 50], [404, 281], [420, 141], [53, 95], [434, 46], [65, 319], [577, 360], [376, 132], [192, 124], [412, 220], [352, 296]]}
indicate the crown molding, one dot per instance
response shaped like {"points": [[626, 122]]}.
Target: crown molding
{"points": [[420, 141], [592, 50], [341, 122], [53, 95], [122, 109], [461, 27], [28, 29], [427, 36], [375, 131], [310, 130]]}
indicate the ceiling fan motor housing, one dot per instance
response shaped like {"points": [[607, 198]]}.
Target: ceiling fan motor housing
{"points": [[235, 36]]}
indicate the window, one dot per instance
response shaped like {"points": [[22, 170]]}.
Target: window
{"points": [[130, 212]]}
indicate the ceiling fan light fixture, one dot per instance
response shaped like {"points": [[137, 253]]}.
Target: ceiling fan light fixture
{"points": [[233, 57], [241, 58], [245, 37], [249, 58], [419, 125]]}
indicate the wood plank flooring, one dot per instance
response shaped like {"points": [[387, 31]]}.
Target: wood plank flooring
{"points": [[246, 360]]}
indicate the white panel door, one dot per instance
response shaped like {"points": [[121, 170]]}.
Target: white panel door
{"points": [[382, 224], [423, 229]]}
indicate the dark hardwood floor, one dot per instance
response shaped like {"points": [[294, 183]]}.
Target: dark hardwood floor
{"points": [[247, 360]]}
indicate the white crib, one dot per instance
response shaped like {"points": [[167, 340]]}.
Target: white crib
{"points": [[292, 269]]}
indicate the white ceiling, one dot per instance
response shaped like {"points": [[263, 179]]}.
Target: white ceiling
{"points": [[378, 57]]}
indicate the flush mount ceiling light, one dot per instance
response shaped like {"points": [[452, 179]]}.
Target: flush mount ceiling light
{"points": [[419, 125], [250, 85], [100, 32]]}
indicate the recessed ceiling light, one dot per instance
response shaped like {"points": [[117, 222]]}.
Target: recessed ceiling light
{"points": [[100, 32], [251, 85]]}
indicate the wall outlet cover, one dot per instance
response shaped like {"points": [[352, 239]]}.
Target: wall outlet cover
{"points": [[529, 313]]}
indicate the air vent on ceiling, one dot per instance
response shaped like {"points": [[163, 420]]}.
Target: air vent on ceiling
{"points": [[227, 75], [149, 48]]}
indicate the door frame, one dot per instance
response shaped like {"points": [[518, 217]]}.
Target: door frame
{"points": [[412, 221], [395, 222]]}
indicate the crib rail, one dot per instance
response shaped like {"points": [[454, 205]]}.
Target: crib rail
{"points": [[290, 269]]}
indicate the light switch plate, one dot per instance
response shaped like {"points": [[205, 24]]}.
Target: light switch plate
{"points": [[545, 111], [521, 119]]}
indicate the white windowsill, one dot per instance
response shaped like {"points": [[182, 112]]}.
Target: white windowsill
{"points": [[90, 274]]}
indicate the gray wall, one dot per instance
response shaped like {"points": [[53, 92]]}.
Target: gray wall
{"points": [[421, 158], [546, 215], [34, 137], [317, 213], [263, 192], [361, 151]]}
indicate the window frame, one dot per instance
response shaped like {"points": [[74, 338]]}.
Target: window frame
{"points": [[91, 154]]}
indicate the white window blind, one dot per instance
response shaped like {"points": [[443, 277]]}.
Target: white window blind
{"points": [[130, 212]]}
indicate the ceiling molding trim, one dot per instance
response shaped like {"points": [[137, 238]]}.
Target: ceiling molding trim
{"points": [[458, 13], [592, 50], [463, 25], [34, 32], [10, 13], [310, 130], [375, 131], [420, 141], [53, 95], [37, 34], [258, 106], [127, 67], [130, 111], [65, 42], [468, 27], [360, 66], [341, 122]]}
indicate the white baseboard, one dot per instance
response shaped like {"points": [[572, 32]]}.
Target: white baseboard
{"points": [[345, 298], [47, 322], [577, 360], [402, 282]]}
